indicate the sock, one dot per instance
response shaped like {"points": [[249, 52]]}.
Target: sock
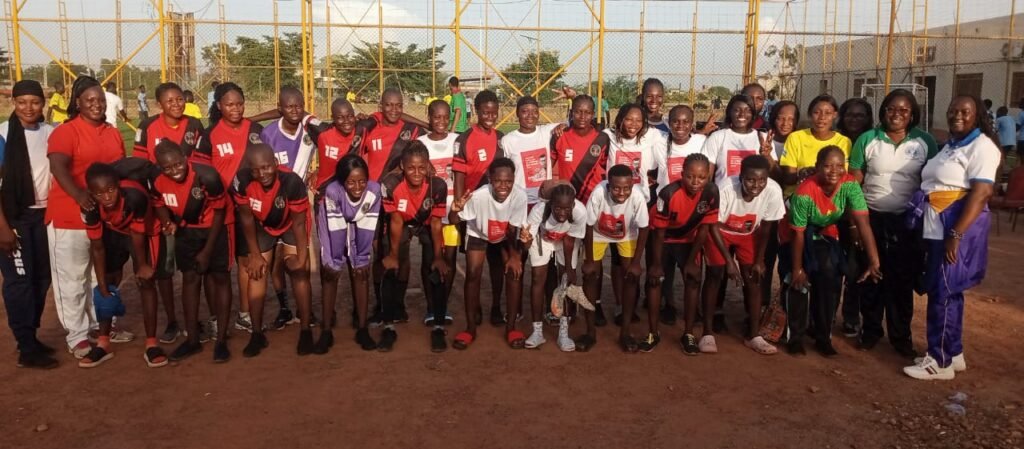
{"points": [[104, 342], [282, 299], [150, 342]]}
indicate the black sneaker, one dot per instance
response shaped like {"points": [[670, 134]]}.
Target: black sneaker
{"points": [[36, 359], [186, 350], [718, 324], [221, 353], [387, 340], [437, 341], [364, 340], [867, 343], [284, 318], [667, 315], [585, 342], [599, 318], [325, 342], [305, 346], [905, 350], [850, 330], [257, 342], [824, 347], [689, 344], [796, 347], [42, 348], [650, 342], [497, 318]]}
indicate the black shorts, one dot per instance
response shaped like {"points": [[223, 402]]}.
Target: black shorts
{"points": [[479, 244], [679, 252], [119, 250], [189, 241], [264, 240]]}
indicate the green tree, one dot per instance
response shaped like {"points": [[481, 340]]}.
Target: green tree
{"points": [[131, 75], [250, 61], [533, 70], [713, 92], [409, 69], [53, 71], [617, 92]]}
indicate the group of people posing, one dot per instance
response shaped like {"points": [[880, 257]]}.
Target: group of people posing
{"points": [[846, 211]]}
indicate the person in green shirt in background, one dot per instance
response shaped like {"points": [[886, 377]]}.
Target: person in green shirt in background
{"points": [[460, 120]]}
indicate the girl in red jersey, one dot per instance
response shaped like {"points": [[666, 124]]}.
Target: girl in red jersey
{"points": [[190, 198], [273, 207], [123, 224], [227, 139]]}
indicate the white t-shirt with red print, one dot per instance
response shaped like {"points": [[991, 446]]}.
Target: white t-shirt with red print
{"points": [[671, 169], [553, 231], [739, 217], [489, 220], [727, 148], [531, 153], [641, 157], [614, 222], [441, 153]]}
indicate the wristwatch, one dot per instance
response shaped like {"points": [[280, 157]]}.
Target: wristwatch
{"points": [[956, 235]]}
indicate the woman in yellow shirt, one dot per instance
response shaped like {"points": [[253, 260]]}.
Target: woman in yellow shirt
{"points": [[801, 148], [191, 108]]}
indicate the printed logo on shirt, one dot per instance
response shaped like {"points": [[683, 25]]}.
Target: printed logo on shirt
{"points": [[631, 160], [306, 140], [171, 200], [675, 168], [197, 193], [914, 152], [703, 207], [740, 223], [190, 138], [254, 138], [282, 157], [535, 166], [427, 203], [481, 155], [255, 205], [553, 236], [403, 205], [406, 135], [366, 208], [279, 202], [612, 226], [496, 230], [224, 149], [595, 150], [733, 160], [357, 141], [331, 152]]}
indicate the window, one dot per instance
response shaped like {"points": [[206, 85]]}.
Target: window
{"points": [[968, 84], [1016, 88], [860, 82], [924, 54]]}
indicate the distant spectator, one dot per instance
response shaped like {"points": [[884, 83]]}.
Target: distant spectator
{"points": [[143, 105], [191, 108], [210, 102], [58, 112], [115, 107]]}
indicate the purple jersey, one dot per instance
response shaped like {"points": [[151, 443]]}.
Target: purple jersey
{"points": [[347, 228], [294, 151]]}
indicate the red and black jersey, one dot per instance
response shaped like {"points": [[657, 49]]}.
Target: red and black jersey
{"points": [[133, 213], [381, 145], [193, 201], [272, 207], [475, 149], [679, 214], [224, 147], [152, 130], [416, 208], [331, 145], [581, 160]]}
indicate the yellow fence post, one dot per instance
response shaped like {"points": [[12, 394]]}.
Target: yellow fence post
{"points": [[458, 36], [16, 30], [163, 40], [600, 63]]}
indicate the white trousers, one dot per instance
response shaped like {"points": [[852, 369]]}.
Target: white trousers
{"points": [[73, 280]]}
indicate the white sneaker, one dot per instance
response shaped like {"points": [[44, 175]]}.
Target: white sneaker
{"points": [[537, 337], [707, 344], [564, 342], [929, 369], [243, 322], [120, 336], [211, 327], [959, 364]]}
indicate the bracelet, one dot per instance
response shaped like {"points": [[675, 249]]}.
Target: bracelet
{"points": [[955, 235]]}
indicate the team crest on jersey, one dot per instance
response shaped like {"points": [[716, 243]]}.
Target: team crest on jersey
{"points": [[357, 141], [366, 208], [330, 204], [306, 140], [702, 207], [595, 150], [406, 135], [197, 193], [190, 138], [279, 202], [427, 203], [254, 138]]}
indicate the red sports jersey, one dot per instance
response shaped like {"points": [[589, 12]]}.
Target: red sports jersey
{"points": [[273, 208], [133, 213], [331, 145], [152, 130], [581, 160], [679, 214], [381, 145], [224, 147], [193, 201], [416, 208], [475, 149]]}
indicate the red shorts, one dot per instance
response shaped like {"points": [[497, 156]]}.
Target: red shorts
{"points": [[740, 245]]}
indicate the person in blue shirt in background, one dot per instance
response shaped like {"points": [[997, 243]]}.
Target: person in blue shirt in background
{"points": [[1006, 128]]}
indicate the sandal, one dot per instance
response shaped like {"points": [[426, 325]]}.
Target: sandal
{"points": [[515, 339], [760, 346], [629, 344], [585, 342], [95, 358], [463, 340], [707, 344], [155, 357]]}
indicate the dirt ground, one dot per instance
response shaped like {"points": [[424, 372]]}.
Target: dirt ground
{"points": [[491, 396]]}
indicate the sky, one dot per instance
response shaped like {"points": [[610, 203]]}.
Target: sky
{"points": [[666, 48]]}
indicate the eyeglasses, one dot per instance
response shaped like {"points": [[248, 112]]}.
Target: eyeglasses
{"points": [[900, 111]]}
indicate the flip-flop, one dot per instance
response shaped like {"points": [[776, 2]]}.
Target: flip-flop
{"points": [[463, 340], [516, 339], [155, 357]]}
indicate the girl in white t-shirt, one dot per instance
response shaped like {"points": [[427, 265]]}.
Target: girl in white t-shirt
{"points": [[493, 215], [727, 147], [552, 231], [529, 147], [441, 147]]}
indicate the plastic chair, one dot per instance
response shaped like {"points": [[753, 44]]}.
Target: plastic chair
{"points": [[1012, 200]]}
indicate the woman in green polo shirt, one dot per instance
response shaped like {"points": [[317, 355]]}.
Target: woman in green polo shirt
{"points": [[816, 253], [888, 160]]}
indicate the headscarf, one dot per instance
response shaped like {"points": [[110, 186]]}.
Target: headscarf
{"points": [[16, 188]]}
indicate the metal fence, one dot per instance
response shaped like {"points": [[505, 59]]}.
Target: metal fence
{"points": [[702, 50]]}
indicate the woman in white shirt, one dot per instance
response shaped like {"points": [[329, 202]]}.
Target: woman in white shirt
{"points": [[956, 185]]}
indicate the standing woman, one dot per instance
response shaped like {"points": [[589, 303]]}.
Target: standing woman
{"points": [[817, 255], [85, 138], [24, 187], [957, 183], [887, 160], [802, 147], [854, 120], [652, 98]]}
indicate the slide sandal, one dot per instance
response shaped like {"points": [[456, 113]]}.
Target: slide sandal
{"points": [[155, 357], [516, 339], [463, 340]]}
